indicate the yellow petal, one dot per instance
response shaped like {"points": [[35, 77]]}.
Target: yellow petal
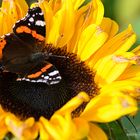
{"points": [[98, 12], [14, 126], [59, 127], [49, 128], [67, 23], [53, 35], [22, 129], [124, 85], [94, 13], [15, 8], [43, 132], [82, 128], [129, 86], [74, 103], [92, 38], [48, 16], [136, 50], [132, 73], [109, 26], [5, 18], [10, 12], [21, 7], [77, 3], [55, 5], [109, 106], [116, 45], [31, 130], [81, 19], [108, 69], [3, 127], [3, 131], [9, 7], [96, 133], [62, 27]]}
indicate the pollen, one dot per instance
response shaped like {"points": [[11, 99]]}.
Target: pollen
{"points": [[99, 30], [125, 104], [136, 59], [120, 59]]}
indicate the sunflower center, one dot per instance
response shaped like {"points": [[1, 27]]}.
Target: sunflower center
{"points": [[26, 99]]}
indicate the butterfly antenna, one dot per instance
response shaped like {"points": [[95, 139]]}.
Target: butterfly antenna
{"points": [[57, 56]]}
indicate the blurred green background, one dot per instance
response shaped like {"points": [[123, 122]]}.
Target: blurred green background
{"points": [[124, 12]]}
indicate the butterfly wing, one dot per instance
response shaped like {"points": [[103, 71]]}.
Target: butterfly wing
{"points": [[47, 74], [16, 48], [14, 54], [19, 46], [31, 26]]}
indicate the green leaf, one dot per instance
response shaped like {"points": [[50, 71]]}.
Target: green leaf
{"points": [[132, 126], [114, 131]]}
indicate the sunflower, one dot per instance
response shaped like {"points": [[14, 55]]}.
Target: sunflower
{"points": [[100, 78]]}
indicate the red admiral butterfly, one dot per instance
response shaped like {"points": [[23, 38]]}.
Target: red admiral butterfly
{"points": [[22, 52]]}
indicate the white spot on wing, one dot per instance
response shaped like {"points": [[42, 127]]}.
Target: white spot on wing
{"points": [[18, 21], [40, 23], [14, 26], [31, 19], [44, 81], [29, 24], [46, 77], [2, 36], [41, 14], [26, 15], [27, 79], [58, 77], [8, 34], [18, 79], [21, 19], [54, 82], [33, 81], [50, 78], [40, 80], [53, 73]]}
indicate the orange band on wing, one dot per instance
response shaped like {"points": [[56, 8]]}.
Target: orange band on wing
{"points": [[38, 36], [37, 74], [2, 45], [25, 29], [22, 29], [46, 67]]}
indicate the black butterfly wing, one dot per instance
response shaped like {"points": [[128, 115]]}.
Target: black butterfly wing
{"points": [[15, 54], [20, 47], [43, 73], [26, 39], [32, 27]]}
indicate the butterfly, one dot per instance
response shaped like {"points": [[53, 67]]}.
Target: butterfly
{"points": [[22, 51]]}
